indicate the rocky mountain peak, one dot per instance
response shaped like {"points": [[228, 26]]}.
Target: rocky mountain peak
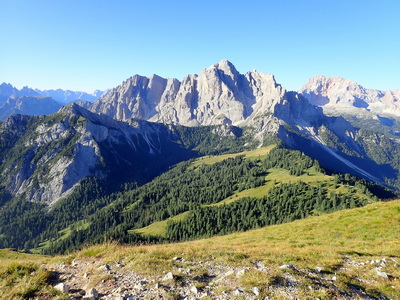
{"points": [[337, 95], [225, 66], [219, 94]]}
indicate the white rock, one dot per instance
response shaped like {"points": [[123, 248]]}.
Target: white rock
{"points": [[237, 292], [241, 273], [194, 289], [219, 94], [62, 287], [168, 276], [337, 95], [92, 293], [256, 291], [105, 267], [318, 269], [380, 273], [287, 267]]}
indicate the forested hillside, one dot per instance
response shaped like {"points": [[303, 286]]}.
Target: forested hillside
{"points": [[280, 186]]}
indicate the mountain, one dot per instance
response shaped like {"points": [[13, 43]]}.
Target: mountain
{"points": [[36, 102], [8, 91], [68, 96], [219, 94], [28, 105], [337, 95], [44, 157], [24, 101]]}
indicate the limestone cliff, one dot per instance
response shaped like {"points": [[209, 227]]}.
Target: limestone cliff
{"points": [[219, 94]]}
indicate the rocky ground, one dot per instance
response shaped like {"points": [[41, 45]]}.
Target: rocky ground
{"points": [[90, 278]]}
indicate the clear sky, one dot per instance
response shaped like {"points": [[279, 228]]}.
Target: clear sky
{"points": [[96, 44]]}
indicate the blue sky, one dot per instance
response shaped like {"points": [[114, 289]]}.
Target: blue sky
{"points": [[95, 44]]}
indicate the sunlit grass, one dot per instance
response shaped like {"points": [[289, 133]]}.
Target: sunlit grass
{"points": [[327, 241], [274, 177], [372, 230], [21, 276], [209, 160], [159, 228], [65, 233]]}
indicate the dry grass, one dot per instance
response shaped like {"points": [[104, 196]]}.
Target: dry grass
{"points": [[343, 244], [21, 276], [327, 241]]}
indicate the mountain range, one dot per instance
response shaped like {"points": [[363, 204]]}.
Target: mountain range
{"points": [[36, 102], [84, 154], [333, 131]]}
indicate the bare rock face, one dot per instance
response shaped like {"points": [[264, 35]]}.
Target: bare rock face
{"points": [[336, 95], [218, 95]]}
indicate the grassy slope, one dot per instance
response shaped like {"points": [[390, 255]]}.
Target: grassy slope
{"points": [[21, 276], [329, 241], [212, 159], [342, 244], [275, 176], [372, 230], [83, 224], [158, 228]]}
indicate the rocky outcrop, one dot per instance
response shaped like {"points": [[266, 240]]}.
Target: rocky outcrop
{"points": [[337, 95], [219, 94]]}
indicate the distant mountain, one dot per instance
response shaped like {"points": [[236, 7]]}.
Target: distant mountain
{"points": [[364, 108], [337, 95], [68, 96], [29, 105], [8, 91], [62, 96], [36, 102]]}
